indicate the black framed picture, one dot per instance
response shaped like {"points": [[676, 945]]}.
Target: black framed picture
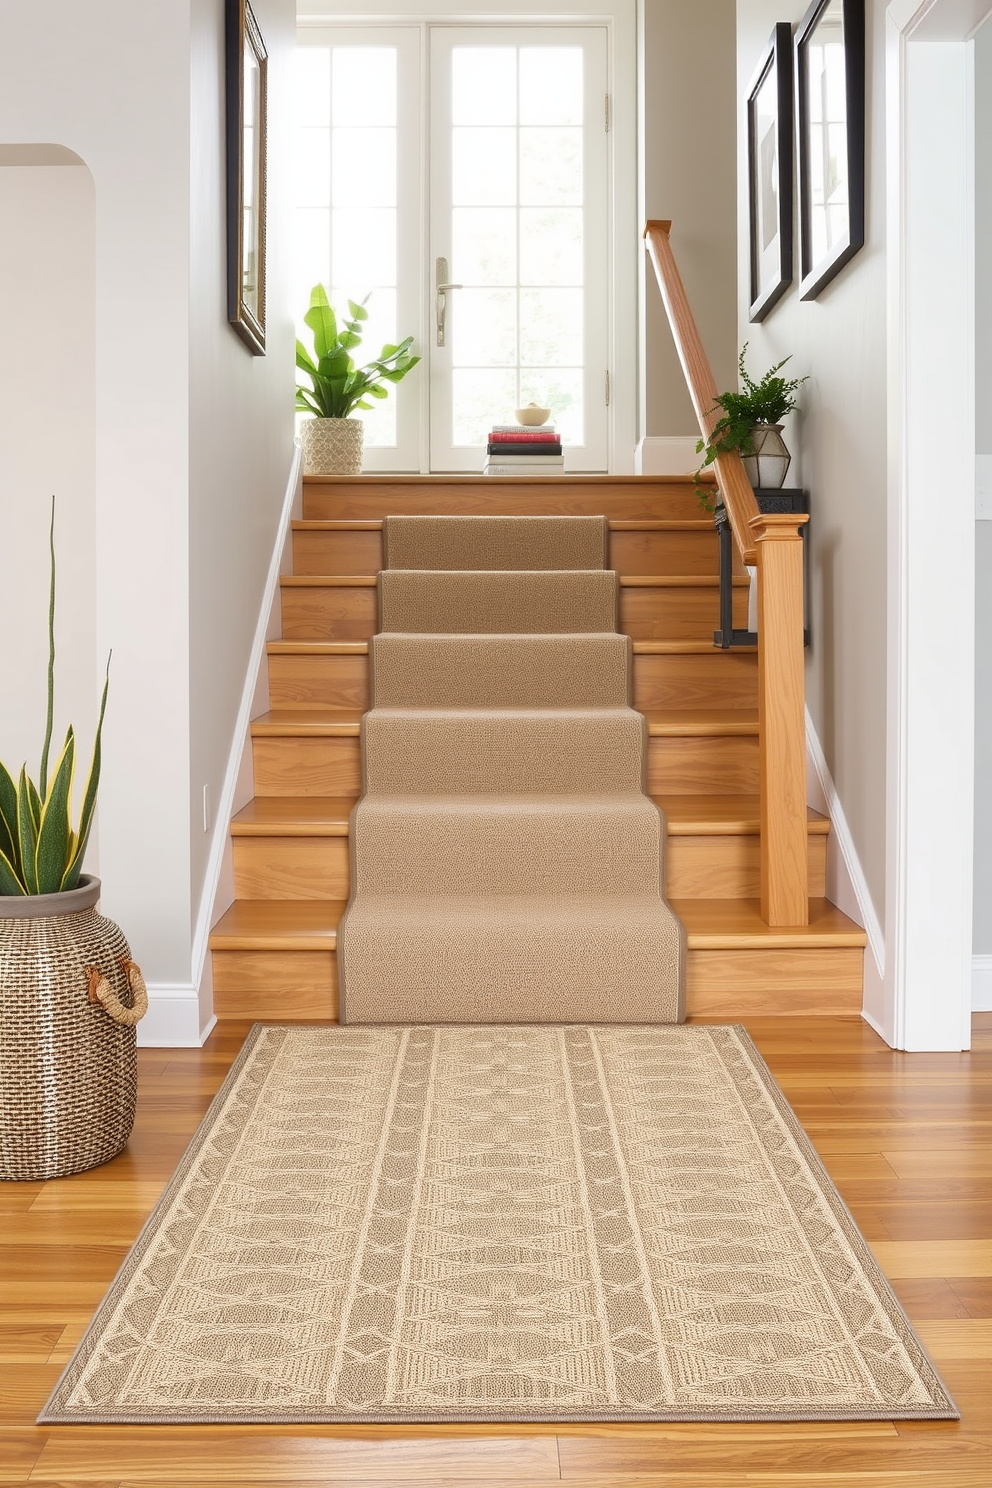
{"points": [[830, 119], [246, 164], [769, 170]]}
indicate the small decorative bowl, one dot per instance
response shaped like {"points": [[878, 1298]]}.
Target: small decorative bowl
{"points": [[532, 416]]}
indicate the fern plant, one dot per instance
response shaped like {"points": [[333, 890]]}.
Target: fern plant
{"points": [[40, 853], [337, 385], [764, 402]]}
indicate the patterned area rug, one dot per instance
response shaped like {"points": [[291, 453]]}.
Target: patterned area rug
{"points": [[499, 1224]]}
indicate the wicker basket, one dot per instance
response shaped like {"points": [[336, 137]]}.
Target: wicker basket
{"points": [[332, 446], [69, 998]]}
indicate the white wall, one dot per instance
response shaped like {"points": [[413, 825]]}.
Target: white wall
{"points": [[240, 412], [174, 390], [838, 441], [688, 90], [117, 94], [47, 392], [983, 532]]}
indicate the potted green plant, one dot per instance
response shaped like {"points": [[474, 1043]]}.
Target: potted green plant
{"points": [[332, 439], [751, 422], [70, 995]]}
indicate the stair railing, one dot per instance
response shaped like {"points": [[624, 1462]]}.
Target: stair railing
{"points": [[773, 545]]}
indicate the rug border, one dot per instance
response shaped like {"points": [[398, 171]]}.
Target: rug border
{"points": [[846, 1221], [50, 1413]]}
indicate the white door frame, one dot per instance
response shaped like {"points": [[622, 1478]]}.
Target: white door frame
{"points": [[625, 249], [923, 999]]}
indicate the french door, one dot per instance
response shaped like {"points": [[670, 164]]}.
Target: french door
{"points": [[457, 177]]}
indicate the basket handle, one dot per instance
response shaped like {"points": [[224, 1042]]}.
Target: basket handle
{"points": [[101, 991]]}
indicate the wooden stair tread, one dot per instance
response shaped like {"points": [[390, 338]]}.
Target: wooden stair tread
{"points": [[723, 816], [737, 924], [661, 524], [641, 648], [485, 483], [294, 816], [317, 722], [304, 723], [278, 925], [685, 723], [341, 524], [688, 648], [627, 581], [318, 648], [711, 924], [327, 816], [329, 581], [679, 581], [616, 524]]}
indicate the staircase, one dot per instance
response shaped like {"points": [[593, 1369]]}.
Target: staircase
{"points": [[274, 949]]}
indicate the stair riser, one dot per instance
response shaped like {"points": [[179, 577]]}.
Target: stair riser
{"points": [[656, 614], [337, 552], [306, 767], [720, 765], [812, 980], [276, 986], [302, 986], [718, 679], [343, 500], [729, 867], [723, 679], [330, 613], [319, 681], [700, 867], [322, 766], [630, 552]]}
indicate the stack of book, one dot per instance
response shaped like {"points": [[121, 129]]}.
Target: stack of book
{"points": [[516, 449]]}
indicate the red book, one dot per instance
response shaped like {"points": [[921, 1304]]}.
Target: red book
{"points": [[525, 436]]}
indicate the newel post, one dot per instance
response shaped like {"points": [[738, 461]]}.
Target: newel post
{"points": [[782, 719]]}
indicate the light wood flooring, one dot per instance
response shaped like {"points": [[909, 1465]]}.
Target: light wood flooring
{"points": [[906, 1138]]}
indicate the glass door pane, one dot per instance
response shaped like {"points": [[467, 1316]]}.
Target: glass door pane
{"points": [[358, 194], [518, 209]]}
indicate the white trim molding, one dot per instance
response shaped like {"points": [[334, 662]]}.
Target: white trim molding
{"points": [[182, 1016], [175, 1018], [981, 984], [924, 1002], [846, 885], [666, 454]]}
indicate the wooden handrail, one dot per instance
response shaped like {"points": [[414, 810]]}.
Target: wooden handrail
{"points": [[735, 488], [772, 545]]}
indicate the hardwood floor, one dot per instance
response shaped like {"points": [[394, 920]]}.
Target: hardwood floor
{"points": [[906, 1138]]}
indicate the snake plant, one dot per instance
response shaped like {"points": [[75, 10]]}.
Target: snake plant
{"points": [[39, 851], [338, 386]]}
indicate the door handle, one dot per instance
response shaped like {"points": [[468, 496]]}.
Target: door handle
{"points": [[441, 288]]}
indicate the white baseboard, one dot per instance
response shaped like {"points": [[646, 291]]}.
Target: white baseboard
{"points": [[659, 454], [174, 1019], [180, 1016], [981, 984], [847, 886]]}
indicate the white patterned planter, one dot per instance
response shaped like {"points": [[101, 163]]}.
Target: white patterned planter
{"points": [[332, 446], [769, 460]]}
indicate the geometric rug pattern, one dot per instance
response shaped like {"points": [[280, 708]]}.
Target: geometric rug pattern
{"points": [[499, 1223]]}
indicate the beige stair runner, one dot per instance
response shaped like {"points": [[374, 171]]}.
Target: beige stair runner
{"points": [[506, 864]]}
